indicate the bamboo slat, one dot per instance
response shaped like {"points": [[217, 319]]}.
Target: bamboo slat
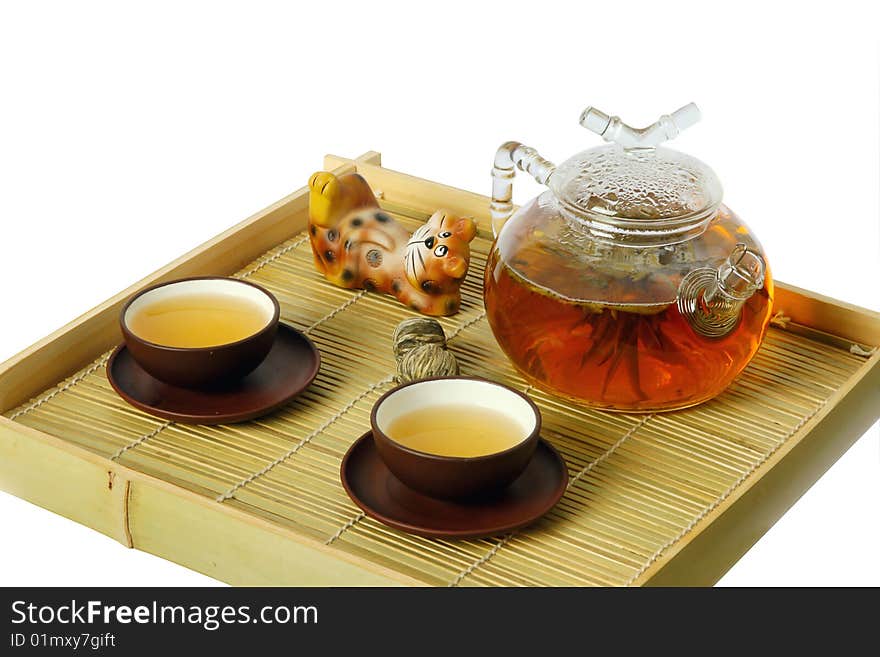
{"points": [[640, 485]]}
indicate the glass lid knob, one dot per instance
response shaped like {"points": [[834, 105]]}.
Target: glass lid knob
{"points": [[612, 129]]}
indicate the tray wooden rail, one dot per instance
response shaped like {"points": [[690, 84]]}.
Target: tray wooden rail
{"points": [[671, 498]]}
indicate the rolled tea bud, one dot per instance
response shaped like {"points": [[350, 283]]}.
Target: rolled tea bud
{"points": [[425, 361], [419, 347], [411, 333]]}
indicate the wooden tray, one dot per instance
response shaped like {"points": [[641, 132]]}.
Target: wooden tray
{"points": [[671, 498]]}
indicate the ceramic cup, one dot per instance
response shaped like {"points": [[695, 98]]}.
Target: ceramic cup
{"points": [[199, 367], [450, 476]]}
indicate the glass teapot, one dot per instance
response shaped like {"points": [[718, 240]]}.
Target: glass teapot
{"points": [[627, 284]]}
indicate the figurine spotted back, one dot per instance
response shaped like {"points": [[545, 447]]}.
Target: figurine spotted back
{"points": [[357, 245]]}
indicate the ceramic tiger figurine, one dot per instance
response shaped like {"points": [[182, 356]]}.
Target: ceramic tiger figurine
{"points": [[357, 245]]}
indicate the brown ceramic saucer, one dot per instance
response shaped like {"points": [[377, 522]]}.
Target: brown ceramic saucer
{"points": [[291, 365], [382, 496]]}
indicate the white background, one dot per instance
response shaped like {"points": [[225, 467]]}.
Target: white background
{"points": [[129, 135]]}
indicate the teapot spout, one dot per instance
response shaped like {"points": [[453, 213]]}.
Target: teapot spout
{"points": [[712, 299]]}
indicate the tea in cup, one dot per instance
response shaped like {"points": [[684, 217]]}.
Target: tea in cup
{"points": [[455, 437], [200, 332]]}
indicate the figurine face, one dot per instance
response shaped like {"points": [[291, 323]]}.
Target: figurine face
{"points": [[437, 254]]}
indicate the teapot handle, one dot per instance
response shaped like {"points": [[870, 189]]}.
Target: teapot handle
{"points": [[513, 155]]}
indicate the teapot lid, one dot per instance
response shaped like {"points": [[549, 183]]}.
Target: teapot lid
{"points": [[633, 190]]}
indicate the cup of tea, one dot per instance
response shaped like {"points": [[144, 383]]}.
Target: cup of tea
{"points": [[200, 332], [455, 437]]}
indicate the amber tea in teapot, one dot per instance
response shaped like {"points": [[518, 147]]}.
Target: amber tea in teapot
{"points": [[627, 285], [640, 357]]}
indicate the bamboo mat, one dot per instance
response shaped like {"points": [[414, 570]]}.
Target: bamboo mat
{"points": [[638, 483]]}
